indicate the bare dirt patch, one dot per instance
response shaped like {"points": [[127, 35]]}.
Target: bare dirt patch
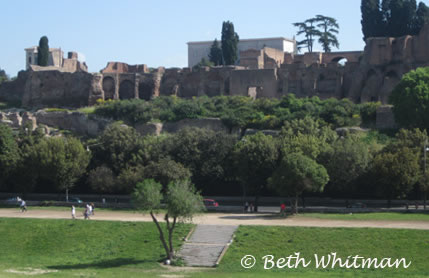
{"points": [[30, 271]]}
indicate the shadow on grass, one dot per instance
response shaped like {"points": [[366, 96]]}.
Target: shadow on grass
{"points": [[101, 264], [258, 216]]}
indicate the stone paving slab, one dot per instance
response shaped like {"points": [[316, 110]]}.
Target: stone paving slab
{"points": [[206, 244]]}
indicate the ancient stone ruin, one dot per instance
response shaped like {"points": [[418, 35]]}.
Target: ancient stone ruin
{"points": [[368, 75]]}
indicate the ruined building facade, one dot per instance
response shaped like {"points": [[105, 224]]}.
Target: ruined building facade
{"points": [[368, 75]]}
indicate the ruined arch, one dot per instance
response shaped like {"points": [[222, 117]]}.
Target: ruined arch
{"points": [[145, 90], [126, 90], [109, 87], [338, 59]]}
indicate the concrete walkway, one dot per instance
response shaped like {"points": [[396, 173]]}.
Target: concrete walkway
{"points": [[206, 244]]}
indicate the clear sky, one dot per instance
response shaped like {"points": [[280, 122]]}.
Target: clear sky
{"points": [[156, 32]]}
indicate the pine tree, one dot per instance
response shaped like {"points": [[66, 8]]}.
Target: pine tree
{"points": [[327, 33], [229, 43], [307, 29], [43, 52], [215, 54]]}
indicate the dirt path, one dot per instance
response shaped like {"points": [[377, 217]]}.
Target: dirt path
{"points": [[227, 219]]}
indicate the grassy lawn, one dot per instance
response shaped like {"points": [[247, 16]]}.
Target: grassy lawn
{"points": [[392, 216], [82, 248], [284, 241], [77, 248]]}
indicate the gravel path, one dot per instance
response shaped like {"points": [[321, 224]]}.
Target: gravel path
{"points": [[227, 219], [206, 244]]}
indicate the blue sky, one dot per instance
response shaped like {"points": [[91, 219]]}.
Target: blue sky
{"points": [[155, 32]]}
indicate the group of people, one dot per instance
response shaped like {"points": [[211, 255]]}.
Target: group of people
{"points": [[89, 211], [249, 207]]}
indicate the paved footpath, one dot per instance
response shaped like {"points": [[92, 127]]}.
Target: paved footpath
{"points": [[206, 244]]}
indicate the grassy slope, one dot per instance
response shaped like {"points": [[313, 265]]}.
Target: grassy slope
{"points": [[284, 241], [103, 247]]}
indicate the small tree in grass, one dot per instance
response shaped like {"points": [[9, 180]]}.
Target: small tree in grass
{"points": [[182, 203], [298, 173]]}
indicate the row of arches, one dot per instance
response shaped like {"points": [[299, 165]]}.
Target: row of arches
{"points": [[126, 89]]}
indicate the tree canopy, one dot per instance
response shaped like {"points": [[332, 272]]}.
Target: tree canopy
{"points": [[392, 18], [215, 54], [410, 99], [323, 27]]}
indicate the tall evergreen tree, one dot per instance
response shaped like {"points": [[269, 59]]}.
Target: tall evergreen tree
{"points": [[421, 18], [43, 52], [308, 29], [229, 43], [372, 20], [327, 33], [215, 54]]}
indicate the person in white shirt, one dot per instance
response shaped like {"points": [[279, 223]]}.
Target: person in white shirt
{"points": [[73, 212], [23, 206]]}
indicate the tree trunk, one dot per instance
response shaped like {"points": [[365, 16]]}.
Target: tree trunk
{"points": [[255, 206], [170, 238], [67, 195], [296, 204], [424, 200], [161, 235]]}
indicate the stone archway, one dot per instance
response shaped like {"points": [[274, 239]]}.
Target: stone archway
{"points": [[109, 87], [145, 90], [126, 90]]}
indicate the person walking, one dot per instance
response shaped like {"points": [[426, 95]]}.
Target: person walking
{"points": [[282, 210], [73, 212], [92, 208], [246, 206], [23, 206]]}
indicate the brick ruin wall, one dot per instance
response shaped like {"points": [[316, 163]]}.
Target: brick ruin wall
{"points": [[370, 75]]}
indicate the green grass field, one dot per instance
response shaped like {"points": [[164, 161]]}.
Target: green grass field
{"points": [[77, 248], [391, 216], [82, 248]]}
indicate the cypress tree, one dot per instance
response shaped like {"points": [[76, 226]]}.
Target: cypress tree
{"points": [[215, 54], [43, 52], [372, 23], [229, 43]]}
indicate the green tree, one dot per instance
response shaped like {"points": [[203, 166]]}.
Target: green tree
{"points": [[182, 201], [166, 171], [372, 19], [328, 28], [410, 99], [396, 172], [204, 152], [102, 179], [215, 54], [298, 173], [255, 158], [61, 160], [421, 18], [309, 30], [203, 63], [129, 177], [229, 43], [348, 160], [43, 52], [118, 147], [3, 76], [9, 152]]}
